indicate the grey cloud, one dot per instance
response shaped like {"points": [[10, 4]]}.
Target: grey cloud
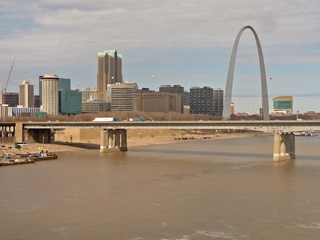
{"points": [[83, 27]]}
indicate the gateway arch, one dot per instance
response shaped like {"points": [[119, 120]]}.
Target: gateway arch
{"points": [[228, 92]]}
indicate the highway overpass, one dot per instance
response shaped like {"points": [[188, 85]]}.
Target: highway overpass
{"points": [[261, 126]]}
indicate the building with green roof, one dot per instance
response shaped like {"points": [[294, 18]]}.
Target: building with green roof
{"points": [[109, 71]]}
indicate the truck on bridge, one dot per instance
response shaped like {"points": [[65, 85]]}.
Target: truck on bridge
{"points": [[106, 119]]}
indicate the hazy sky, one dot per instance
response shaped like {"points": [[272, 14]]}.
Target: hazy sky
{"points": [[185, 42]]}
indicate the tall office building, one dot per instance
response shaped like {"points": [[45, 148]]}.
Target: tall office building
{"points": [[186, 98], [201, 100], [12, 99], [4, 111], [217, 102], [120, 96], [70, 102], [50, 94], [26, 94], [157, 101], [64, 83], [174, 89], [36, 101], [109, 71]]}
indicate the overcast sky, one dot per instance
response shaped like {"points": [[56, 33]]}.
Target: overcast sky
{"points": [[185, 42]]}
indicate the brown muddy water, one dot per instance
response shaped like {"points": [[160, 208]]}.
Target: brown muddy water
{"points": [[228, 189]]}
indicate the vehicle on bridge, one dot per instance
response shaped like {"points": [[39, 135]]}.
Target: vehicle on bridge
{"points": [[136, 119], [106, 119]]}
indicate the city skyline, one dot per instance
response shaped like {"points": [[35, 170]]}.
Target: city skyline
{"points": [[180, 43]]}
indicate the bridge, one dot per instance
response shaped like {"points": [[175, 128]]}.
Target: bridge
{"points": [[261, 126], [113, 135]]}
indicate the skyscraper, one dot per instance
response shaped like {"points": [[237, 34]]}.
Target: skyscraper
{"points": [[64, 83], [201, 100], [12, 99], [70, 101], [109, 71], [26, 94], [50, 94], [217, 101], [121, 96]]}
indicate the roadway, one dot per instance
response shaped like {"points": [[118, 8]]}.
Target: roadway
{"points": [[262, 126]]}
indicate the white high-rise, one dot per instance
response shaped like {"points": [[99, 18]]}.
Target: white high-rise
{"points": [[26, 94], [50, 94]]}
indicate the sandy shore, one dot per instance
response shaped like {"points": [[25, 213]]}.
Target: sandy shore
{"points": [[62, 147], [146, 142]]}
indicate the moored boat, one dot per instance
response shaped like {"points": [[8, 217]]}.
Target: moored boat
{"points": [[306, 134], [43, 156], [17, 161]]}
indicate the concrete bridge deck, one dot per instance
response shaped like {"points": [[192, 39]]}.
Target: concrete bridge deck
{"points": [[113, 135], [262, 126]]}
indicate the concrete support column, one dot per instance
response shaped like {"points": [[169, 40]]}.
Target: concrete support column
{"points": [[113, 141], [19, 132], [284, 147], [110, 138], [123, 145], [103, 141], [47, 136], [292, 146], [7, 131], [117, 138]]}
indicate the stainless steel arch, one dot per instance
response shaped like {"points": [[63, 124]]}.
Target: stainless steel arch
{"points": [[264, 90]]}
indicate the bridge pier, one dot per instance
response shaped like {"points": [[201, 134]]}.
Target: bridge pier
{"points": [[113, 140], [284, 147], [37, 136]]}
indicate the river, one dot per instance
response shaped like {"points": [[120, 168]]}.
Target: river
{"points": [[227, 189]]}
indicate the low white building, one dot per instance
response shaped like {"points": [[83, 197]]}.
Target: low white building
{"points": [[20, 111]]}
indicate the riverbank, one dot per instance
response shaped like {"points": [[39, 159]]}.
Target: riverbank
{"points": [[69, 147], [215, 137]]}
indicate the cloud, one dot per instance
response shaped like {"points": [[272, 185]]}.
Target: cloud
{"points": [[166, 35], [72, 29]]}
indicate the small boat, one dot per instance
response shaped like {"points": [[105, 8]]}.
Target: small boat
{"points": [[306, 134], [312, 133], [16, 161], [43, 156], [297, 133]]}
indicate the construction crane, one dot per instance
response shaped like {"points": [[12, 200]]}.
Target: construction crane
{"points": [[5, 88]]}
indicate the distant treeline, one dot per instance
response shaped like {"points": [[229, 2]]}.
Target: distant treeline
{"points": [[153, 116]]}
